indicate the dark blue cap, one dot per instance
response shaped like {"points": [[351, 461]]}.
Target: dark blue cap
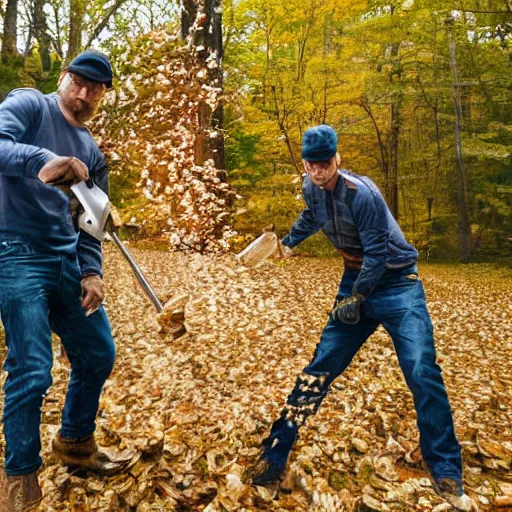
{"points": [[319, 143], [92, 65]]}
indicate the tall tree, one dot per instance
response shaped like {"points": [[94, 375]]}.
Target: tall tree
{"points": [[201, 24], [10, 33], [77, 9], [41, 33], [464, 226]]}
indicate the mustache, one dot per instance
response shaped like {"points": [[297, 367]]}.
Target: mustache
{"points": [[85, 105], [82, 110]]}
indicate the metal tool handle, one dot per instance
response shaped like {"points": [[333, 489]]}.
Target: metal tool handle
{"points": [[137, 271]]}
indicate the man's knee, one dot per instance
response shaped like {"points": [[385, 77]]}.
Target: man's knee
{"points": [[28, 383], [106, 357], [421, 370], [40, 381]]}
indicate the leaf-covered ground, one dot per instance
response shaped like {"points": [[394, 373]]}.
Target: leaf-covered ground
{"points": [[195, 409]]}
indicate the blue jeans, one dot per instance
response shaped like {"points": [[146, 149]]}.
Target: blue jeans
{"points": [[398, 303], [41, 293]]}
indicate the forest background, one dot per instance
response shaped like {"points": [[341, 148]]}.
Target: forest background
{"points": [[203, 128]]}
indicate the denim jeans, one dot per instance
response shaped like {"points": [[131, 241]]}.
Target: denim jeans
{"points": [[41, 293], [398, 303]]}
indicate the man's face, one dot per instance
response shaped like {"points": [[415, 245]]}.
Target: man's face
{"points": [[80, 96], [320, 172]]}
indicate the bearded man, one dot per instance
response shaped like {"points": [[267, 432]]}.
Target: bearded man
{"points": [[51, 274]]}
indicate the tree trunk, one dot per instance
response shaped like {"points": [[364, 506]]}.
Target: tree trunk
{"points": [[211, 38], [57, 41], [302, 42], [384, 161], [188, 16], [281, 121], [394, 140], [327, 36], [41, 33], [392, 192], [76, 22], [28, 43], [104, 22], [268, 32], [463, 225], [9, 39], [189, 10]]}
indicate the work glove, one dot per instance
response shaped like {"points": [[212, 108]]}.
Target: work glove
{"points": [[348, 309]]}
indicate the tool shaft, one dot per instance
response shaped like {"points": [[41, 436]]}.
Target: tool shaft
{"points": [[138, 272]]}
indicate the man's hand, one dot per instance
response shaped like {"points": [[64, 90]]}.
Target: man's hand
{"points": [[92, 294], [348, 309], [283, 252], [63, 168]]}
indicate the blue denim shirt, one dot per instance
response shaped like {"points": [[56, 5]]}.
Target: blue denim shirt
{"points": [[33, 130], [357, 220]]}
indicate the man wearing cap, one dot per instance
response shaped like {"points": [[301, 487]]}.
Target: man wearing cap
{"points": [[380, 286], [51, 276]]}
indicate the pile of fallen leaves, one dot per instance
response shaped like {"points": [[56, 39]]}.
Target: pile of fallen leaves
{"points": [[195, 409], [152, 125]]}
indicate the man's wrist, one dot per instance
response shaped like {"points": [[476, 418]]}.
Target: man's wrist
{"points": [[34, 165]]}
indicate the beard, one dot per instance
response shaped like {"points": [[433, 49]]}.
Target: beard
{"points": [[81, 110]]}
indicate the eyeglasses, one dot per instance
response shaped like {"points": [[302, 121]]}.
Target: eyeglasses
{"points": [[94, 89], [322, 166]]}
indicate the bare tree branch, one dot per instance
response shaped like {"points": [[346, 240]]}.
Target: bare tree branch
{"points": [[104, 22]]}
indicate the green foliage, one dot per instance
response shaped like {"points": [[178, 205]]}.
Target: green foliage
{"points": [[27, 72], [9, 79], [241, 163], [47, 82], [12, 75], [381, 73]]}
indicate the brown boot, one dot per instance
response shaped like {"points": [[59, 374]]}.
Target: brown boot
{"points": [[19, 493], [84, 453]]}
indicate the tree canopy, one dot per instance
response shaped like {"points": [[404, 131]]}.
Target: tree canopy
{"points": [[418, 91]]}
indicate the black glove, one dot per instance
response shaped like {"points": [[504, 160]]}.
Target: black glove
{"points": [[348, 309]]}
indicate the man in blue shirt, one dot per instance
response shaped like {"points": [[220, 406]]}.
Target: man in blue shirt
{"points": [[380, 286], [51, 276]]}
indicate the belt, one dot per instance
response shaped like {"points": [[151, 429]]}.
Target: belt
{"points": [[351, 261], [352, 265]]}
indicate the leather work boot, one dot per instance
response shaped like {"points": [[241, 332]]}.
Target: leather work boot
{"points": [[276, 448], [85, 454], [19, 493]]}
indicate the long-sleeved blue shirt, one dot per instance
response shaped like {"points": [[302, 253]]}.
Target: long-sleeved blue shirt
{"points": [[357, 220], [33, 130]]}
